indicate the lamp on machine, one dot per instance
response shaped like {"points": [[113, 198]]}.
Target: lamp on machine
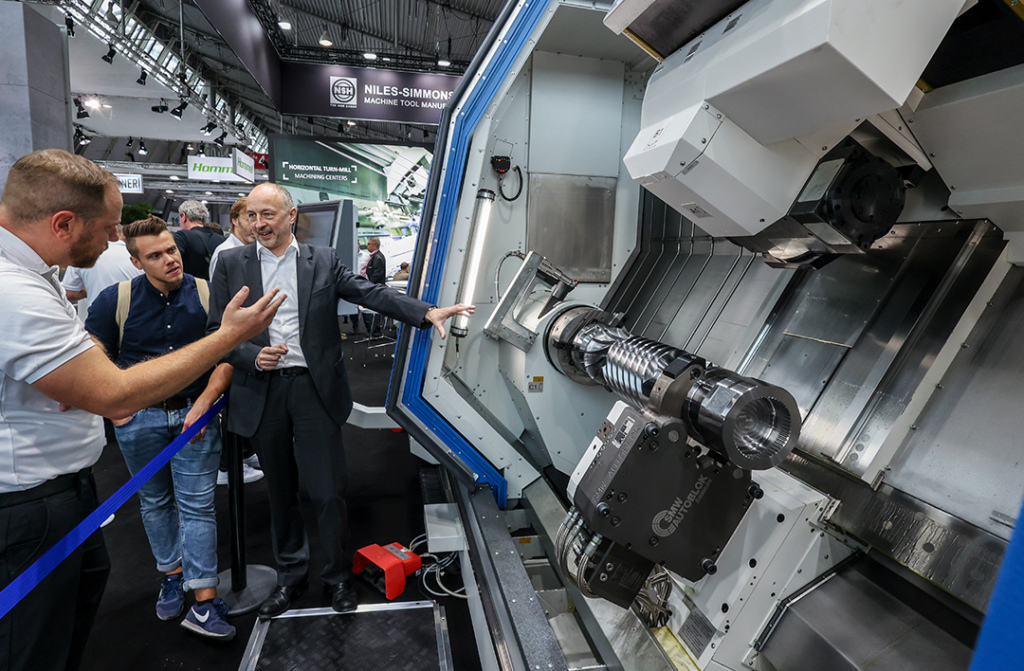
{"points": [[179, 110], [474, 259], [111, 52]]}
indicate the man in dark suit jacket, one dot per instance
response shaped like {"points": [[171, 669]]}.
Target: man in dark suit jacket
{"points": [[289, 390]]}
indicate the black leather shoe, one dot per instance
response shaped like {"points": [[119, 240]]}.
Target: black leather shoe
{"points": [[280, 600], [343, 597]]}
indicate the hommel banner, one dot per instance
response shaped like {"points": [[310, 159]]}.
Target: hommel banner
{"points": [[364, 93]]}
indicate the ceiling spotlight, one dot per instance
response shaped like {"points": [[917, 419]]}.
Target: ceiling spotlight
{"points": [[208, 128], [220, 140], [283, 23], [189, 147], [385, 59], [209, 193], [69, 23], [325, 39], [142, 148], [111, 52], [130, 142], [169, 191], [370, 56], [443, 62], [141, 81], [351, 122], [81, 139], [93, 103], [179, 110], [202, 149], [174, 178], [82, 112], [161, 108]]}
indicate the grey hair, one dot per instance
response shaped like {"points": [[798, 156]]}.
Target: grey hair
{"points": [[195, 211]]}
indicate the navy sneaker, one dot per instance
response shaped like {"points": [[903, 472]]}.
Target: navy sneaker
{"points": [[209, 620], [172, 597]]}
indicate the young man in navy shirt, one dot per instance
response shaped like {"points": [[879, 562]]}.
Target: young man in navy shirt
{"points": [[166, 310]]}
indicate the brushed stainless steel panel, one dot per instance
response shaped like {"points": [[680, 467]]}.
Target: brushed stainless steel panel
{"points": [[965, 454], [570, 221], [876, 631]]}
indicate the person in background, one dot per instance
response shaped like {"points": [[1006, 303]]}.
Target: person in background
{"points": [[403, 272], [198, 238], [376, 272], [241, 234], [166, 311], [85, 284], [60, 209], [289, 389], [361, 259]]}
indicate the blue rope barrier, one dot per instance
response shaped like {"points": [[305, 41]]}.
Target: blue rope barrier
{"points": [[62, 549]]}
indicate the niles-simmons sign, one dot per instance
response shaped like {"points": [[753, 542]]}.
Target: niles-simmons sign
{"points": [[365, 93]]}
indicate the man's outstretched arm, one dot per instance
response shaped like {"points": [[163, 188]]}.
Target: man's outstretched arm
{"points": [[90, 381]]}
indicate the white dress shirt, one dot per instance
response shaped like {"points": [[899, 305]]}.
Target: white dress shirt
{"points": [[41, 333], [282, 273], [232, 242], [114, 265]]}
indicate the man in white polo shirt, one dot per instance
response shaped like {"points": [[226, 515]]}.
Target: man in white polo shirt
{"points": [[61, 209], [85, 284]]}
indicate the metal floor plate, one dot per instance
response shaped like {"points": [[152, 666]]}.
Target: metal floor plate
{"points": [[409, 636]]}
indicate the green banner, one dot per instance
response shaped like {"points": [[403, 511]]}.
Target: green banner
{"points": [[326, 166]]}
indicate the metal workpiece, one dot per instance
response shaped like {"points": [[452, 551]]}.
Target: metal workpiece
{"points": [[750, 423], [754, 424]]}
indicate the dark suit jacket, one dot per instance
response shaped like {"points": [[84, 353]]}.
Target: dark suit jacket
{"points": [[376, 268], [322, 280]]}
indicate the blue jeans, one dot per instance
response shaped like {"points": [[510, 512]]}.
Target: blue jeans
{"points": [[177, 502]]}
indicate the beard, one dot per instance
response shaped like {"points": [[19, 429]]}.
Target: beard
{"points": [[83, 255]]}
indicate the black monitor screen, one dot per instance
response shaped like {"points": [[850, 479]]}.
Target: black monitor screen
{"points": [[315, 226]]}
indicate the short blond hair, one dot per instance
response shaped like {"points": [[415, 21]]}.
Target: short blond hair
{"points": [[53, 180]]}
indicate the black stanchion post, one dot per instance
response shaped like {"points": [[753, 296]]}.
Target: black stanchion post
{"points": [[243, 587], [236, 511]]}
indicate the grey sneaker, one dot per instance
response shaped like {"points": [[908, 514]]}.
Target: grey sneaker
{"points": [[171, 601], [253, 461], [210, 620]]}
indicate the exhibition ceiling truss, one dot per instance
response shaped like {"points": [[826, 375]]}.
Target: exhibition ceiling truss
{"points": [[415, 35]]}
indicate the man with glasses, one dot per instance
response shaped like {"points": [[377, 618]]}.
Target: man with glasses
{"points": [[289, 390]]}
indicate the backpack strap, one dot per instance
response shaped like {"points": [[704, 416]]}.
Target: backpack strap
{"points": [[203, 288], [124, 303]]}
